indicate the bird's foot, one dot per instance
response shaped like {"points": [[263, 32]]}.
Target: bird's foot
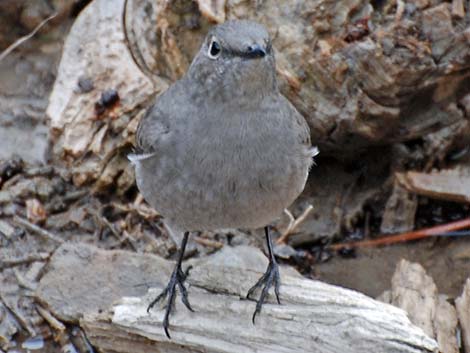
{"points": [[270, 277], [177, 279]]}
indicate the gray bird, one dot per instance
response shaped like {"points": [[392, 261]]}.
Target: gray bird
{"points": [[223, 148]]}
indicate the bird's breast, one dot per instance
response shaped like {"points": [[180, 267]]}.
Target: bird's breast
{"points": [[232, 171]]}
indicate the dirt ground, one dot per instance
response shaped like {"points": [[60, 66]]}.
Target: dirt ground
{"points": [[445, 260]]}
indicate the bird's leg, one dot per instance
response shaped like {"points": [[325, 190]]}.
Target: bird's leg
{"points": [[177, 279], [270, 277]]}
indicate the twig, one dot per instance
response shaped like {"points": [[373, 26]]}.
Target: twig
{"points": [[149, 238], [51, 320], [81, 342], [23, 39], [291, 221], [139, 199], [18, 316], [6, 263], [400, 10], [74, 195], [121, 238], [39, 171], [130, 240], [36, 229], [398, 238], [23, 282], [141, 209], [110, 226], [293, 224], [208, 242], [7, 184], [118, 243]]}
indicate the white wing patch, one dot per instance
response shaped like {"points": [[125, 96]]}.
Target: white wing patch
{"points": [[135, 158], [314, 151]]}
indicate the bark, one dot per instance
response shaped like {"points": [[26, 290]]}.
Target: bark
{"points": [[415, 291]]}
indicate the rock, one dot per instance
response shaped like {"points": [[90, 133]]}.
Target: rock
{"points": [[8, 327], [462, 304], [437, 27], [458, 9], [34, 13], [35, 211], [445, 323], [81, 279], [400, 211], [415, 292]]}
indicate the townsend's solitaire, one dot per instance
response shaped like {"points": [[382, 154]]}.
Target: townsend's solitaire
{"points": [[222, 147]]}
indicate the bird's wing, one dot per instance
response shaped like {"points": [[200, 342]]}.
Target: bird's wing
{"points": [[304, 129], [156, 123], [304, 135], [151, 127]]}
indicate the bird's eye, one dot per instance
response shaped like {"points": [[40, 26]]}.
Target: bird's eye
{"points": [[214, 49]]}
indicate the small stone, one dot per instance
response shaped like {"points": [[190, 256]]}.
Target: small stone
{"points": [[109, 97], [35, 211], [85, 84]]}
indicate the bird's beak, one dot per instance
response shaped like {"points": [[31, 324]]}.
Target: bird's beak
{"points": [[256, 51]]}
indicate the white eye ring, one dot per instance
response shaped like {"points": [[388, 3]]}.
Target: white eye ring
{"points": [[214, 50]]}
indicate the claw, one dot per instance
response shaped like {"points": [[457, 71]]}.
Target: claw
{"points": [[157, 299], [258, 284], [270, 277], [177, 279], [184, 296]]}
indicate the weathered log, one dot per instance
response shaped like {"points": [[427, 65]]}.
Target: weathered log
{"points": [[448, 184], [313, 316], [462, 304]]}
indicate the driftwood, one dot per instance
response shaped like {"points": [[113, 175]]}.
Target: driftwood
{"points": [[448, 184], [462, 304], [313, 317], [415, 291]]}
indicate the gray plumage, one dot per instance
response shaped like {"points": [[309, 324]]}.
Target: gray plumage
{"points": [[222, 147]]}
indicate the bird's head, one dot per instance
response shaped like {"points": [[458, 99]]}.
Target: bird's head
{"points": [[238, 56]]}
